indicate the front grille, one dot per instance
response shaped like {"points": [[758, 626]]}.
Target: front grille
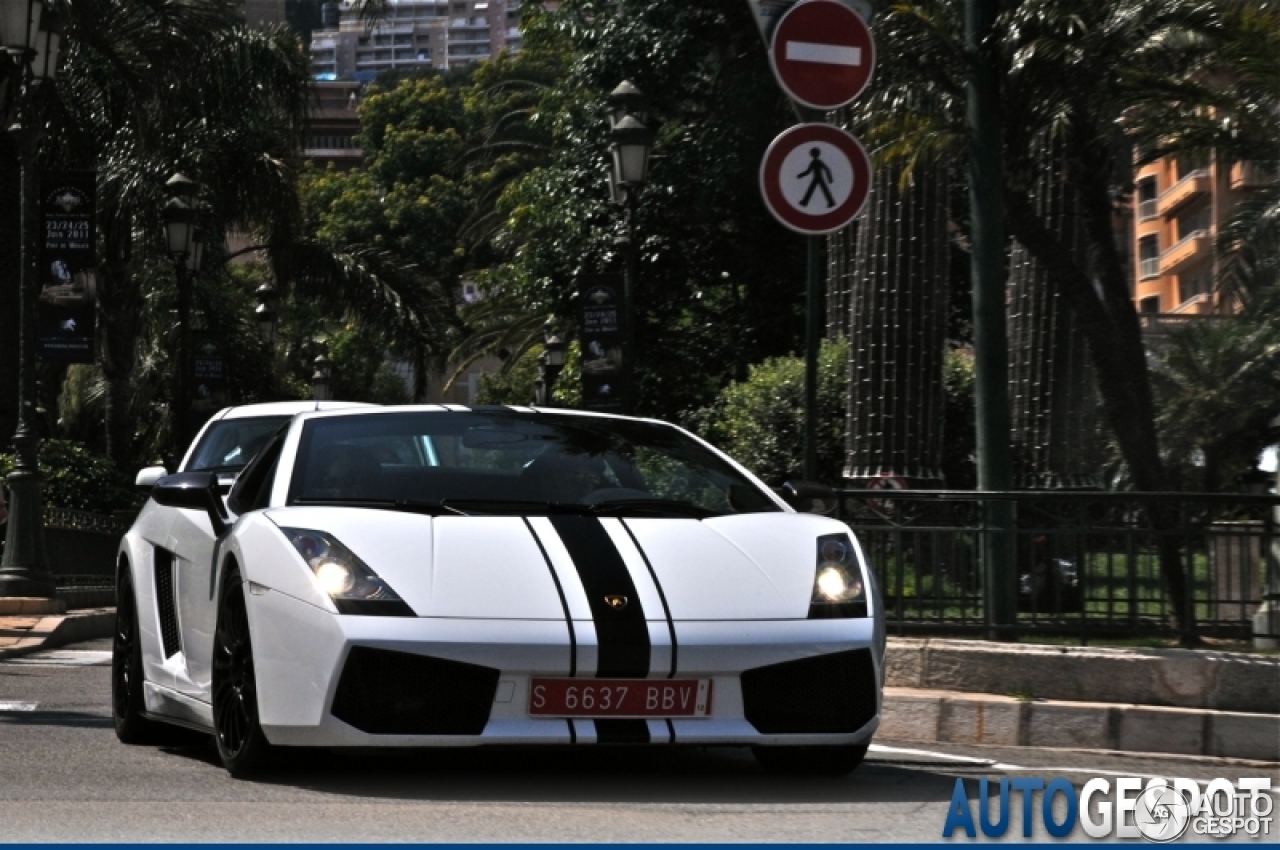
{"points": [[823, 694], [170, 636], [396, 693]]}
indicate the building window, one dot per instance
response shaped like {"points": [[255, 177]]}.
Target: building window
{"points": [[1150, 304], [1194, 221], [1147, 198], [1193, 283], [1187, 164], [1149, 256]]}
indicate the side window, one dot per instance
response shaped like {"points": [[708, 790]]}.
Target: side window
{"points": [[252, 490]]}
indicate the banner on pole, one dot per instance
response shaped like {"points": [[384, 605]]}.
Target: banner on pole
{"points": [[68, 266], [601, 332]]}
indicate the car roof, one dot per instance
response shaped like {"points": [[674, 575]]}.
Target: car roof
{"points": [[326, 413], [285, 408]]}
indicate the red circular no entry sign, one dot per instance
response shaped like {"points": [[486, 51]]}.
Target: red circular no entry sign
{"points": [[815, 178], [822, 53]]}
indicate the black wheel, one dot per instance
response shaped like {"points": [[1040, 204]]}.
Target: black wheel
{"points": [[127, 704], [242, 747], [811, 761]]}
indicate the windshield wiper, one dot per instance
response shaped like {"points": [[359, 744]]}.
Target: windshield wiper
{"points": [[656, 506], [513, 506], [428, 508]]}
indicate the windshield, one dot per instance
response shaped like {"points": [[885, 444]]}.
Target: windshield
{"points": [[228, 444], [508, 462]]}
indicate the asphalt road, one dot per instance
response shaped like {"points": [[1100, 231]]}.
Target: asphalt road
{"points": [[64, 777]]}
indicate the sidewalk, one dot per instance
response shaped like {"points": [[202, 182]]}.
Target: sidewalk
{"points": [[930, 715], [26, 627]]}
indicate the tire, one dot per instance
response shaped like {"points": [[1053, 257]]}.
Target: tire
{"points": [[242, 746], [811, 761], [127, 701]]}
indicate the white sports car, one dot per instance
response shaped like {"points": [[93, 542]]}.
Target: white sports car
{"points": [[442, 576]]}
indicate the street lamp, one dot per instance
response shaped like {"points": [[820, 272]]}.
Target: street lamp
{"points": [[186, 249], [265, 315], [550, 364], [321, 389], [631, 141], [29, 60]]}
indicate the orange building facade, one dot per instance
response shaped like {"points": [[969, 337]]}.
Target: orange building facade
{"points": [[1179, 206]]}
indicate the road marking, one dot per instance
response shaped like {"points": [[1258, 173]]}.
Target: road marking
{"points": [[64, 658], [18, 706], [826, 54], [901, 751], [1015, 768]]}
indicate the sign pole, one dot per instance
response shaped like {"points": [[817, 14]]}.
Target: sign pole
{"points": [[813, 335]]}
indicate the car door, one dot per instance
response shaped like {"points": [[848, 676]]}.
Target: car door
{"points": [[195, 548]]}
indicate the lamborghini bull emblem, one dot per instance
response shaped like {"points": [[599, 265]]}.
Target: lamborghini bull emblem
{"points": [[615, 601]]}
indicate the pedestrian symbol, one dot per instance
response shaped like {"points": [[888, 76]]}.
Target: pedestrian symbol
{"points": [[815, 178], [819, 176]]}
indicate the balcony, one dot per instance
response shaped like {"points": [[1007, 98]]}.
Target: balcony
{"points": [[1251, 175], [1149, 268], [1185, 190], [1186, 251]]}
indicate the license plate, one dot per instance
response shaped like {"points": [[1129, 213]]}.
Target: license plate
{"points": [[620, 697]]}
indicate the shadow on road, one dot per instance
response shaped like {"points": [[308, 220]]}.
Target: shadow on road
{"points": [[606, 775], [72, 719]]}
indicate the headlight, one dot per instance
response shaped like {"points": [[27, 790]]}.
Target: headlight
{"points": [[838, 589], [347, 580]]}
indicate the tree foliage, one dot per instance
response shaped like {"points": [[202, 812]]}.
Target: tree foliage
{"points": [[720, 282], [760, 421]]}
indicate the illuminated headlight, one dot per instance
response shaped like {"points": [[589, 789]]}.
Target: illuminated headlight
{"points": [[838, 589], [344, 578]]}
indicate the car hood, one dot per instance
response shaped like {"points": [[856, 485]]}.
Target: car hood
{"points": [[749, 566]]}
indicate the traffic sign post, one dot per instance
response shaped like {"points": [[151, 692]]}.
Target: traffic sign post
{"points": [[822, 53], [815, 178]]}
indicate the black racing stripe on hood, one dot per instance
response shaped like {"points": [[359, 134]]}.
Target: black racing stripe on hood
{"points": [[666, 609], [564, 605], [622, 634]]}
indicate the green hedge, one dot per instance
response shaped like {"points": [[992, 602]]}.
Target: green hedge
{"points": [[79, 479]]}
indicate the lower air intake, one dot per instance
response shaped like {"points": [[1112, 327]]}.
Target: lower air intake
{"points": [[396, 693], [823, 694]]}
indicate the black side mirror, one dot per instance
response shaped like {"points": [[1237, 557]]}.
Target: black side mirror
{"points": [[194, 490], [808, 496]]}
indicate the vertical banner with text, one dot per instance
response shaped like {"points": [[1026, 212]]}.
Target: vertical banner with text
{"points": [[68, 266], [601, 334]]}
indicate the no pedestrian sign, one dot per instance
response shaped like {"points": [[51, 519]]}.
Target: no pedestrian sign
{"points": [[822, 53], [815, 178]]}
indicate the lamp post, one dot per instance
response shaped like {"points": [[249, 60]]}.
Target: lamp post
{"points": [[30, 59], [321, 388], [550, 364], [632, 140], [186, 250], [265, 316]]}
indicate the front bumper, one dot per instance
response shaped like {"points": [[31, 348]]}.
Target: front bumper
{"points": [[301, 652]]}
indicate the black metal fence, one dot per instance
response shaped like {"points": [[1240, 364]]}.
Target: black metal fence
{"points": [[1086, 564], [82, 547]]}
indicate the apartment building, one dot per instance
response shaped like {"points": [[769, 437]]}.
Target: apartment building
{"points": [[1179, 206], [440, 34]]}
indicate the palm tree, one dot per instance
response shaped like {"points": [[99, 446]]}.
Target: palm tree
{"points": [[153, 87], [1071, 73]]}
